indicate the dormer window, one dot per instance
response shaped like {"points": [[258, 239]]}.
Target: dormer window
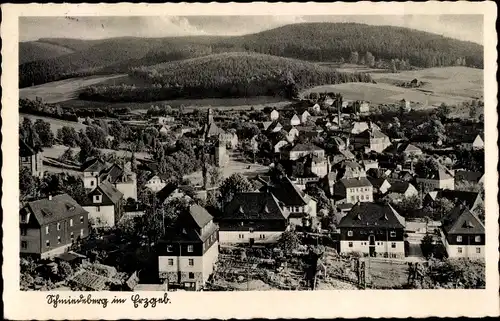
{"points": [[47, 229], [97, 198], [170, 248], [477, 238], [459, 238], [393, 233], [190, 249], [349, 233]]}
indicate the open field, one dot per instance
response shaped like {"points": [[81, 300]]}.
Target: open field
{"points": [[450, 85], [55, 124], [453, 81], [62, 90]]}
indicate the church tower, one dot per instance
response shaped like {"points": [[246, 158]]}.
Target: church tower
{"points": [[210, 116]]}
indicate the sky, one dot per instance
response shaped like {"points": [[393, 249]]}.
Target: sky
{"points": [[462, 27]]}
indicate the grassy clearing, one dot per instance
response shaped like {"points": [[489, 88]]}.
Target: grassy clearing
{"points": [[58, 91], [55, 124], [462, 82]]}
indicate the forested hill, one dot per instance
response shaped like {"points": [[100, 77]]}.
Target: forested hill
{"points": [[309, 41], [332, 41], [36, 50], [236, 74]]}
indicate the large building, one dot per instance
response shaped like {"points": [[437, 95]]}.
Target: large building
{"points": [[49, 226], [374, 230], [353, 190], [301, 150], [371, 139], [442, 178], [254, 217], [104, 205], [463, 234], [301, 207], [188, 252], [30, 157]]}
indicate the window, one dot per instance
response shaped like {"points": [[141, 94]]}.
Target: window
{"points": [[70, 222], [393, 245], [81, 232], [97, 208], [350, 244], [353, 198], [191, 262], [91, 183], [241, 223], [262, 236], [170, 248], [170, 262], [190, 248], [81, 219], [477, 238], [478, 250], [97, 198], [47, 243], [393, 233], [24, 244], [349, 233], [191, 275], [240, 236], [47, 229], [459, 239], [72, 236], [459, 250], [58, 240], [24, 231], [58, 226], [362, 197]]}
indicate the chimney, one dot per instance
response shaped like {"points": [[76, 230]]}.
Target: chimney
{"points": [[50, 197]]}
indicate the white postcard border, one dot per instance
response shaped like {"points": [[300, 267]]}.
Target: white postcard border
{"points": [[267, 304]]}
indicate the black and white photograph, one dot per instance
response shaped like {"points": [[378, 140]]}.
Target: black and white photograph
{"points": [[209, 153]]}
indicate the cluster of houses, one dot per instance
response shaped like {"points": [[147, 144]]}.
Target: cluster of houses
{"points": [[189, 250]]}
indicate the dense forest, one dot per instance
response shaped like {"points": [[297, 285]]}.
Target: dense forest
{"points": [[325, 42], [35, 50], [222, 75]]}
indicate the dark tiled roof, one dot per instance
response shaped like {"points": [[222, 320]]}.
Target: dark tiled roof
{"points": [[468, 176], [376, 182], [254, 206], [305, 147], [200, 215], [461, 220], [286, 192], [372, 215], [111, 192], [355, 182], [461, 196], [94, 165], [166, 191], [398, 186], [60, 207]]}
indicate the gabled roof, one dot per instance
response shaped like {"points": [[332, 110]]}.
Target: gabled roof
{"points": [[372, 133], [94, 165], [468, 176], [116, 174], [166, 191], [355, 182], [286, 192], [399, 186], [305, 148], [442, 173], [461, 220], [212, 130], [372, 215], [110, 191], [466, 197], [200, 215], [295, 117], [254, 206], [377, 182], [60, 207]]}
